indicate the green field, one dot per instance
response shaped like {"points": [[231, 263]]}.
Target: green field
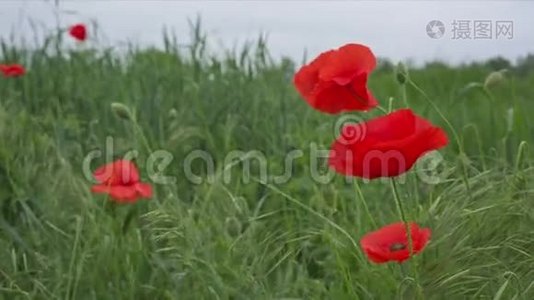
{"points": [[250, 237]]}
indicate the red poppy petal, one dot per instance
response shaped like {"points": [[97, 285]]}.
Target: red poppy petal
{"points": [[13, 70], [342, 157], [126, 171], [144, 189], [392, 233], [394, 157], [123, 193], [307, 77], [361, 92], [378, 244], [100, 188], [399, 256], [393, 126], [421, 239], [120, 172], [365, 159], [347, 62], [331, 98], [421, 143], [376, 256], [78, 31], [104, 173], [336, 80], [385, 146]]}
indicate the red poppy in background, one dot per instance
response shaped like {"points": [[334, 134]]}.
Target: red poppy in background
{"points": [[79, 32], [12, 70], [120, 179], [336, 80], [390, 243], [385, 146]]}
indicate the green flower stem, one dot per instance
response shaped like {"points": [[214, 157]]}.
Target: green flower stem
{"points": [[365, 206], [402, 215], [455, 134], [380, 108], [140, 134], [404, 95]]}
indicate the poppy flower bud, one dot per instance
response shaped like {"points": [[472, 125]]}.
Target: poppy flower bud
{"points": [[401, 73], [173, 113], [495, 78], [233, 226], [122, 111]]}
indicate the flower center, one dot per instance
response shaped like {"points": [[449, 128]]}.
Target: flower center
{"points": [[397, 247]]}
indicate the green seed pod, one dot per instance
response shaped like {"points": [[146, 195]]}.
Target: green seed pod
{"points": [[173, 113], [494, 79], [122, 111], [233, 226]]}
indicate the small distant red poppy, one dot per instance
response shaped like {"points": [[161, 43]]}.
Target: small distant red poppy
{"points": [[390, 243], [386, 146], [12, 70], [120, 179], [336, 80], [79, 32]]}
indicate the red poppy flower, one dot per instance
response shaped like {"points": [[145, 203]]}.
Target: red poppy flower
{"points": [[336, 80], [13, 70], [390, 243], [120, 179], [386, 146], [79, 32]]}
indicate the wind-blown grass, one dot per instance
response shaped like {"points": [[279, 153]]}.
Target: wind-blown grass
{"points": [[256, 239]]}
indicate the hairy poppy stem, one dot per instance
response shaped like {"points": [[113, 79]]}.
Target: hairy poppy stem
{"points": [[365, 206], [455, 134], [132, 213], [404, 95], [402, 76], [402, 215], [138, 131], [141, 134]]}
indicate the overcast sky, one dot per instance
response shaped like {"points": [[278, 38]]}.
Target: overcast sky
{"points": [[394, 29]]}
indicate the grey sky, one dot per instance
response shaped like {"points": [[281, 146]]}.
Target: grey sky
{"points": [[394, 29]]}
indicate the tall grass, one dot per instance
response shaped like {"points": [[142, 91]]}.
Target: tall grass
{"points": [[248, 240]]}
